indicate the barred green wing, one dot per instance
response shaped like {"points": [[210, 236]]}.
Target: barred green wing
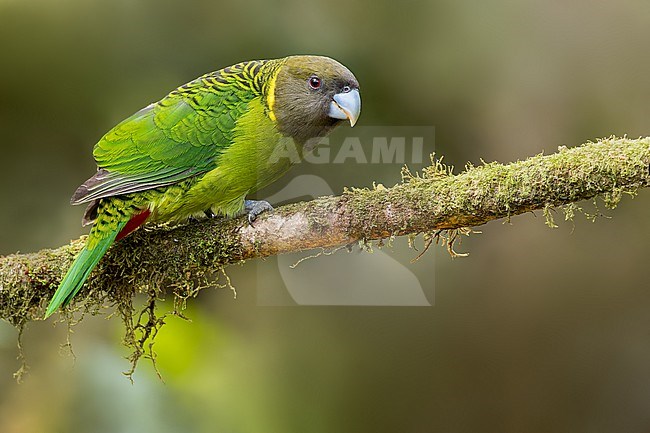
{"points": [[176, 138]]}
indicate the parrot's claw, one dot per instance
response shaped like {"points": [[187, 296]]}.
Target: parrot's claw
{"points": [[208, 214], [255, 208]]}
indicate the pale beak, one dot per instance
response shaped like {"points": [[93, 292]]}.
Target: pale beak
{"points": [[346, 105]]}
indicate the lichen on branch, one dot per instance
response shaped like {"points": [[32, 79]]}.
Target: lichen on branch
{"points": [[180, 258]]}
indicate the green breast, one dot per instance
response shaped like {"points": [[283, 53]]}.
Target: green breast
{"points": [[256, 158]]}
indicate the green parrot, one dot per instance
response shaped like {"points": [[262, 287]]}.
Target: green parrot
{"points": [[204, 147]]}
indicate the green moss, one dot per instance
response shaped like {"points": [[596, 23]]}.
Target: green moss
{"points": [[434, 202], [435, 197]]}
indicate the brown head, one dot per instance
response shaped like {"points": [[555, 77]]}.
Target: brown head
{"points": [[312, 95]]}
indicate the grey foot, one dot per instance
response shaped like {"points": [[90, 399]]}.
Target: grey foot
{"points": [[255, 208]]}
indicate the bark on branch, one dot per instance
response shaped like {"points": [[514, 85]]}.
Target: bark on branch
{"points": [[432, 200]]}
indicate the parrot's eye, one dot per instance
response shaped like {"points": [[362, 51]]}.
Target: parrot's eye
{"points": [[346, 89], [314, 82]]}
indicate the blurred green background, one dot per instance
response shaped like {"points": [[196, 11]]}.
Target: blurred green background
{"points": [[537, 330]]}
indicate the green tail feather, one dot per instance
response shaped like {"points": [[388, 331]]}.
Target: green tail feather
{"points": [[83, 265]]}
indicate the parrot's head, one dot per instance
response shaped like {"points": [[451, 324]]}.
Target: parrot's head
{"points": [[312, 95]]}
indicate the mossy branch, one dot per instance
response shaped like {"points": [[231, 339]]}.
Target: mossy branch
{"points": [[423, 203]]}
